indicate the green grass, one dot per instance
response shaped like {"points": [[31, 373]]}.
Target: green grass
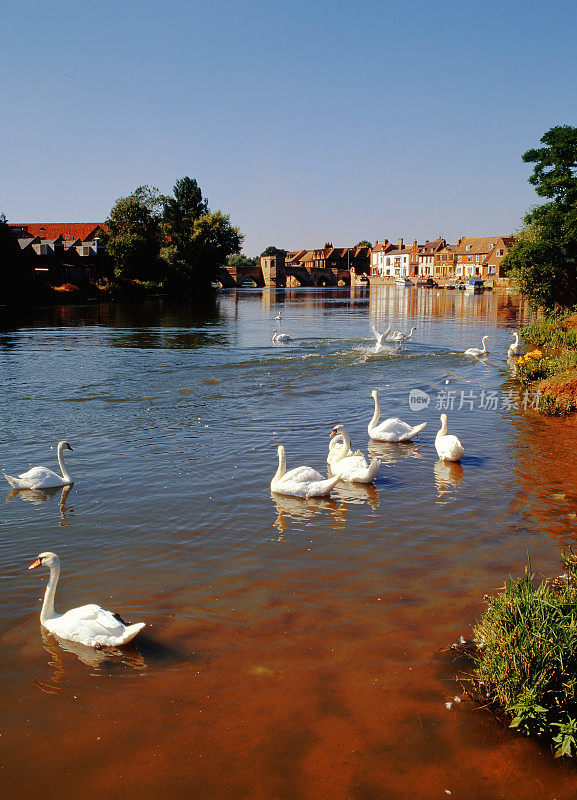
{"points": [[554, 374], [526, 664]]}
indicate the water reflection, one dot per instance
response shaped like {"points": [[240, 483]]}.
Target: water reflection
{"points": [[358, 493], [393, 452], [448, 476], [304, 509], [99, 660], [39, 496]]}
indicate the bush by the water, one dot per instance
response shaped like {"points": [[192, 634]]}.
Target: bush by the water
{"points": [[527, 658], [551, 367]]}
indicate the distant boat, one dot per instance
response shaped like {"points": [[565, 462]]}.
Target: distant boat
{"points": [[216, 284], [248, 284], [475, 285], [404, 282]]}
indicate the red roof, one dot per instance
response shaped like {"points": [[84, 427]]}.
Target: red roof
{"points": [[68, 230]]}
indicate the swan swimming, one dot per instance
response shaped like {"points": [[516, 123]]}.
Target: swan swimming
{"points": [[476, 351], [514, 348], [90, 625], [392, 429], [448, 447], [41, 477], [280, 337], [300, 481], [349, 466]]}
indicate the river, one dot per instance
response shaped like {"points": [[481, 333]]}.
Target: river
{"points": [[293, 648]]}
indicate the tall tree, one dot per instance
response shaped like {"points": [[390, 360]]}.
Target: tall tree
{"points": [[12, 272], [199, 241], [543, 262], [363, 243], [134, 234]]}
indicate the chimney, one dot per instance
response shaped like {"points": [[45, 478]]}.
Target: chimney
{"points": [[376, 242], [400, 244], [415, 243]]}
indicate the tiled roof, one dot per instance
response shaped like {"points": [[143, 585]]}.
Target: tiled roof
{"points": [[482, 244], [68, 230]]}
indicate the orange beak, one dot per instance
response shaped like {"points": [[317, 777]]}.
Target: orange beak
{"points": [[34, 564], [334, 432]]}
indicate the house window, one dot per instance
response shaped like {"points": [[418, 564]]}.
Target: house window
{"points": [[468, 247], [477, 259], [500, 252], [469, 258], [459, 258]]}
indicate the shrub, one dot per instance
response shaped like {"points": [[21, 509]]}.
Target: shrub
{"points": [[527, 657]]}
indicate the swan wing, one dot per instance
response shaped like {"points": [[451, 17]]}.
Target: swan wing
{"points": [[303, 475], [92, 625], [449, 447], [41, 477], [395, 430]]}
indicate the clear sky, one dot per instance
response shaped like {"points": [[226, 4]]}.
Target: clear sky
{"points": [[306, 120]]}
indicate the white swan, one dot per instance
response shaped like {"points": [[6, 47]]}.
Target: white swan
{"points": [[476, 351], [514, 348], [301, 481], [392, 429], [398, 336], [379, 336], [279, 316], [349, 466], [448, 447], [41, 477], [89, 625], [280, 337]]}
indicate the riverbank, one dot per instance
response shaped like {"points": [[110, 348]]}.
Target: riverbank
{"points": [[549, 367]]}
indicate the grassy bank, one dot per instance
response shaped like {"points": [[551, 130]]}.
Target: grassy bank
{"points": [[550, 365], [527, 658]]}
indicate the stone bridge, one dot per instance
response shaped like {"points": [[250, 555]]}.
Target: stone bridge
{"points": [[274, 272]]}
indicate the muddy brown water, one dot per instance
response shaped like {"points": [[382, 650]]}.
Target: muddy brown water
{"points": [[292, 648]]}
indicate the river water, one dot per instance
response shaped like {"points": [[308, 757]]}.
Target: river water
{"points": [[293, 648]]}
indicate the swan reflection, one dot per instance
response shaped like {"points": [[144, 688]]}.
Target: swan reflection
{"points": [[303, 509], [448, 476], [39, 496], [392, 452], [357, 493], [97, 659]]}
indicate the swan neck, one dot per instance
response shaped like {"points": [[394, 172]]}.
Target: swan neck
{"points": [[443, 431], [376, 414], [341, 446], [48, 604], [62, 464], [281, 465]]}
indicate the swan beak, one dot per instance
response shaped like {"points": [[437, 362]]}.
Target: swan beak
{"points": [[334, 432], [37, 563], [70, 448]]}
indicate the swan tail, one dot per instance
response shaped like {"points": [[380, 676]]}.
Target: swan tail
{"points": [[15, 483], [413, 432], [369, 474], [130, 632], [323, 488]]}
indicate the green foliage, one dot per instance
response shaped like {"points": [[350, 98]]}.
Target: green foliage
{"points": [[240, 260], [271, 250], [200, 241], [543, 262], [363, 243], [134, 234], [527, 661]]}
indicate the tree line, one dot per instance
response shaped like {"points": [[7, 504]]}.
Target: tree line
{"points": [[176, 240]]}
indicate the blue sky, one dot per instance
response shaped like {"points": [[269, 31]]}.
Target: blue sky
{"points": [[306, 121]]}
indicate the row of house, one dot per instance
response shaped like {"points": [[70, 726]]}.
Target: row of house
{"points": [[470, 257], [63, 251], [329, 257]]}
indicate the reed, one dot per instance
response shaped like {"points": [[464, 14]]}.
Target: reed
{"points": [[526, 662]]}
